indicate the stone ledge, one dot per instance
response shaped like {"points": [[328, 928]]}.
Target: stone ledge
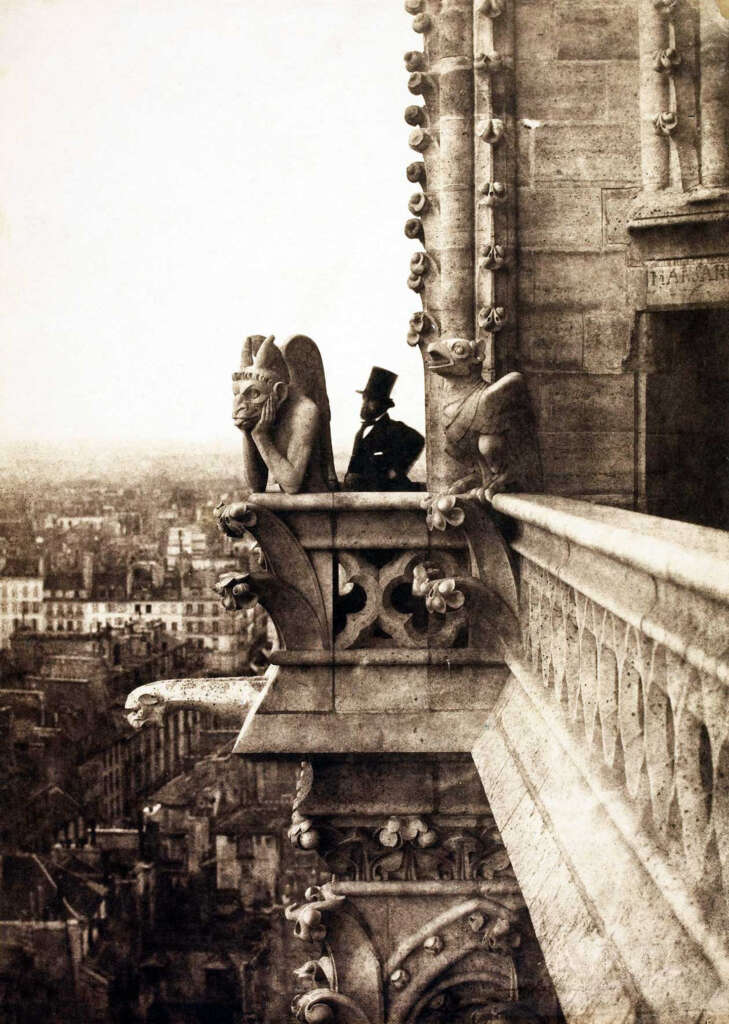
{"points": [[696, 557], [428, 732]]}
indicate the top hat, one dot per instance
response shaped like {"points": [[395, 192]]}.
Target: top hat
{"points": [[379, 385]]}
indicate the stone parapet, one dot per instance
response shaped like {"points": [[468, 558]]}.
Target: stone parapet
{"points": [[606, 756]]}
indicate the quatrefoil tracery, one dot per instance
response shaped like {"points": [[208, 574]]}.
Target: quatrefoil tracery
{"points": [[380, 611]]}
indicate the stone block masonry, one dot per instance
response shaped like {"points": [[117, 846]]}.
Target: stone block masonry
{"points": [[578, 155]]}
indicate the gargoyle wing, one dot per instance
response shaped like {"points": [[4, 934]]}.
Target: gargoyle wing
{"points": [[502, 404], [505, 409], [307, 373]]}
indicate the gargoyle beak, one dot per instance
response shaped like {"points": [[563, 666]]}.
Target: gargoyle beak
{"points": [[438, 357]]}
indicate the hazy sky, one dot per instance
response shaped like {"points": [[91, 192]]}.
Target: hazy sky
{"points": [[177, 174]]}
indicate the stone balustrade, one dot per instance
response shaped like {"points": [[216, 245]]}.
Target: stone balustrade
{"points": [[389, 634], [614, 730]]}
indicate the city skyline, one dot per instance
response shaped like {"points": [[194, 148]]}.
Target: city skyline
{"points": [[141, 174]]}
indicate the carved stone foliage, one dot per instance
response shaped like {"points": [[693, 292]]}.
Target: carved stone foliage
{"points": [[374, 606], [277, 572], [657, 721], [405, 848], [309, 917]]}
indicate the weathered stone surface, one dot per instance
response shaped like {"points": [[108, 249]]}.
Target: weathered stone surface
{"points": [[302, 689], [548, 339], [376, 786], [597, 31], [558, 909], [615, 206], [572, 890], [579, 402], [622, 90], [579, 281], [607, 341], [560, 91], [380, 688], [566, 218], [469, 686], [587, 152], [393, 732], [685, 283], [535, 23], [573, 454]]}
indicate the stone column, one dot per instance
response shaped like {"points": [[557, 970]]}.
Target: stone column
{"points": [[654, 32], [495, 189], [714, 50], [442, 132]]}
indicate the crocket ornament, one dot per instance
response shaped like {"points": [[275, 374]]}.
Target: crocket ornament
{"points": [[489, 427]]}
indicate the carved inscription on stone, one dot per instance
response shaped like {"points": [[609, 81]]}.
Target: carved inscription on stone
{"points": [[689, 282]]}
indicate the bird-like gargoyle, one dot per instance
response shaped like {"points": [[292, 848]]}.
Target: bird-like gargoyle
{"points": [[489, 427]]}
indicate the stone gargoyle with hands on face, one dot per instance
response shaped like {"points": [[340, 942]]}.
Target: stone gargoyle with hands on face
{"points": [[281, 407]]}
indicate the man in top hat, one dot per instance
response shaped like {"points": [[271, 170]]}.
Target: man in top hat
{"points": [[384, 449]]}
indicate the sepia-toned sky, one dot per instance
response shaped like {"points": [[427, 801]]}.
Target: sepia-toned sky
{"points": [[177, 174]]}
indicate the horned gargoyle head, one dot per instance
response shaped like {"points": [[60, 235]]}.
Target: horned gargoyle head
{"points": [[454, 357]]}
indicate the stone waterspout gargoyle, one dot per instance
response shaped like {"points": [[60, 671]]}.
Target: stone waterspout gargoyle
{"points": [[489, 428], [148, 704]]}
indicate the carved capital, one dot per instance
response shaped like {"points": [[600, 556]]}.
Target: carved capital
{"points": [[414, 6], [422, 23]]}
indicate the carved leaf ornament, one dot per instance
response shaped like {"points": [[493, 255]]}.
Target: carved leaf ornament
{"points": [[441, 511]]}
